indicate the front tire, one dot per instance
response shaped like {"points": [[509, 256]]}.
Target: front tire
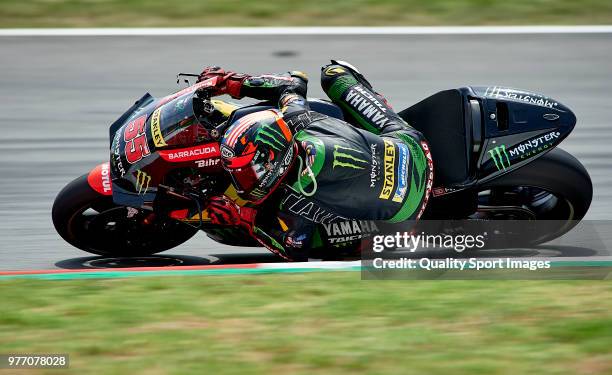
{"points": [[93, 223]]}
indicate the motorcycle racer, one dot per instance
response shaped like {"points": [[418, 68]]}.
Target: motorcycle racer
{"points": [[301, 168]]}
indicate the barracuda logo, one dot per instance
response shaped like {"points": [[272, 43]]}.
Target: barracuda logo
{"points": [[343, 158], [270, 138], [142, 182], [500, 157]]}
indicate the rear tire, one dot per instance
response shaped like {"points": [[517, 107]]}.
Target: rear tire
{"points": [[564, 178], [93, 223]]}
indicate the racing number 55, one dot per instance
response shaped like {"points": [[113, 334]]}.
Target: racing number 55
{"points": [[136, 146]]}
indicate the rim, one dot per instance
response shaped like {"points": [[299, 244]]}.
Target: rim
{"points": [[523, 202], [123, 229], [526, 203]]}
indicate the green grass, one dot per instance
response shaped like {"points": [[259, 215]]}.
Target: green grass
{"points": [[316, 323], [146, 13]]}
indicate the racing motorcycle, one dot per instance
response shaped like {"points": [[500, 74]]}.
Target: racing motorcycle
{"points": [[494, 150]]}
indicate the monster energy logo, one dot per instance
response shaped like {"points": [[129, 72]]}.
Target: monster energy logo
{"points": [[142, 182], [343, 158], [258, 193], [270, 138], [500, 157]]}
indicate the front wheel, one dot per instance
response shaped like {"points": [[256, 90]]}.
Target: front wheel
{"points": [[93, 223]]}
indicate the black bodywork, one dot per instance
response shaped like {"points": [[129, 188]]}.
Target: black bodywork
{"points": [[478, 134], [470, 128]]}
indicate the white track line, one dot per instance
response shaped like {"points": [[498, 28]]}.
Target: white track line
{"points": [[247, 31]]}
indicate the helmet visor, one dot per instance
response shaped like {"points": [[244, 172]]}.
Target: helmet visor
{"points": [[248, 171]]}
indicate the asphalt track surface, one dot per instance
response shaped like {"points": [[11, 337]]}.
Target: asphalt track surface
{"points": [[58, 96]]}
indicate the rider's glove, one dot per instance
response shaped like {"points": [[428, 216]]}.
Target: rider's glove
{"points": [[227, 82], [223, 211]]}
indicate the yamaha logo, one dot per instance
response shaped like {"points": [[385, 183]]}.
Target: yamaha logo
{"points": [[105, 175]]}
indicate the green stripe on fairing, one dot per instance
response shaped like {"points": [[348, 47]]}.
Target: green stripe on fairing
{"points": [[415, 193], [316, 167], [272, 240]]}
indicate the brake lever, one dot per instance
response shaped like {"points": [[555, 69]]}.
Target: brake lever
{"points": [[186, 81]]}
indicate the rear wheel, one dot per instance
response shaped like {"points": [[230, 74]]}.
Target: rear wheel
{"points": [[93, 223], [555, 190]]}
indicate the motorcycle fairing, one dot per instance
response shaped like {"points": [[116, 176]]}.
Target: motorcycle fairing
{"points": [[171, 137], [469, 129], [134, 110], [99, 179], [519, 126], [503, 153]]}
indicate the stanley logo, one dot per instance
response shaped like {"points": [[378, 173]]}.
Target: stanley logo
{"points": [[142, 182], [158, 139], [388, 167], [500, 157], [343, 158]]}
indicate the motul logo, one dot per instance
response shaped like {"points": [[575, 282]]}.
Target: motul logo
{"points": [[99, 179], [105, 176]]}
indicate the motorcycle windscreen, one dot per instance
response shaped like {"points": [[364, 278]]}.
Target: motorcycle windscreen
{"points": [[131, 160], [136, 166], [140, 105], [175, 124]]}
